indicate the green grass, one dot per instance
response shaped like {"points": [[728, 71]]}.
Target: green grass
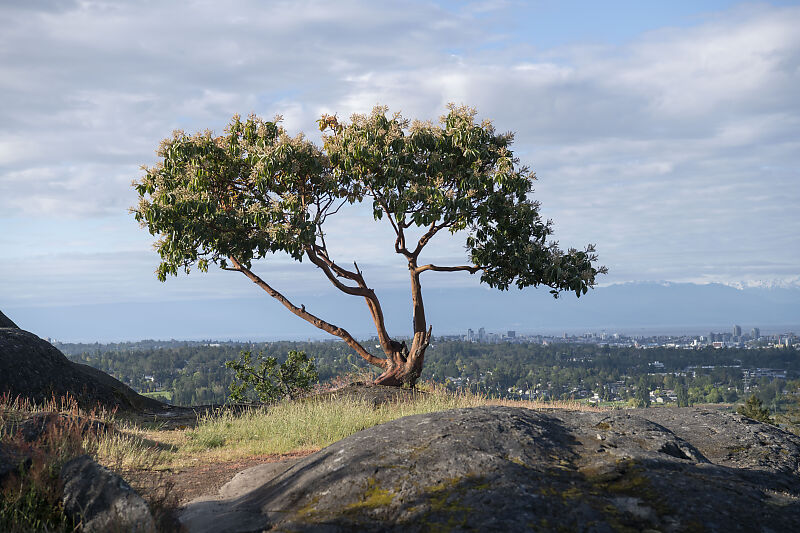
{"points": [[285, 427], [129, 448], [164, 395]]}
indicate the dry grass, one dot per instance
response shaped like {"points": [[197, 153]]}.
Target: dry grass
{"points": [[43, 437], [475, 400], [55, 433]]}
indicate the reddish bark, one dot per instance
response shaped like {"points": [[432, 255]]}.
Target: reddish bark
{"points": [[402, 366]]}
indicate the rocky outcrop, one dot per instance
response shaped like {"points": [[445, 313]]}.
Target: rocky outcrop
{"points": [[101, 500], [513, 469], [33, 368], [6, 322]]}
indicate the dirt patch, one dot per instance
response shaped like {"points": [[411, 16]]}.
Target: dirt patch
{"points": [[184, 485]]}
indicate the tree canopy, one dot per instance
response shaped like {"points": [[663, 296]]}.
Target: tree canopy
{"points": [[255, 190]]}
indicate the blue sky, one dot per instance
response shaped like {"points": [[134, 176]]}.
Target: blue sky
{"points": [[666, 133]]}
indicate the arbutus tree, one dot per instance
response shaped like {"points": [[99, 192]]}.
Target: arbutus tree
{"points": [[235, 198]]}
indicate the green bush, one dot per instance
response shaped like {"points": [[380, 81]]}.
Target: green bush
{"points": [[753, 408], [267, 381]]}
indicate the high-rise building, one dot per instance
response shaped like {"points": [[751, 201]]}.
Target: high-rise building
{"points": [[481, 334], [755, 333], [737, 331], [470, 335], [511, 334]]}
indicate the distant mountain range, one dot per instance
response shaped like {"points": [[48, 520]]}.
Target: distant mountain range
{"points": [[789, 283], [652, 307]]}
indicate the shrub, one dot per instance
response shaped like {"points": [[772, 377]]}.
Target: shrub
{"points": [[269, 381], [753, 408]]}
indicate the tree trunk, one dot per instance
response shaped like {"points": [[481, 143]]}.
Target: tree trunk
{"points": [[405, 365]]}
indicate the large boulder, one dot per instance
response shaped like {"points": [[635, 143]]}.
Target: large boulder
{"points": [[33, 368], [514, 469], [101, 500]]}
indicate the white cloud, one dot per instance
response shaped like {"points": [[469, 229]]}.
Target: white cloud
{"points": [[676, 152], [72, 191]]}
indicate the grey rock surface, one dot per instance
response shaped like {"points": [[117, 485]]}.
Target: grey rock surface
{"points": [[513, 469], [728, 439], [252, 478], [33, 368], [102, 500]]}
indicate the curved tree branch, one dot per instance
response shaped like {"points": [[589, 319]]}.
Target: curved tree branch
{"points": [[398, 226], [320, 253], [433, 230], [329, 267], [464, 268], [312, 319]]}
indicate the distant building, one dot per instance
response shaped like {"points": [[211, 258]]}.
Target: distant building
{"points": [[737, 331], [470, 335], [482, 334], [755, 333], [511, 334]]}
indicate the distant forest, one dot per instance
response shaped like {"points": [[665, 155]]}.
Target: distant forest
{"points": [[194, 373]]}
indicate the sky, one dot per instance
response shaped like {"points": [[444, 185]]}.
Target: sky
{"points": [[666, 133]]}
